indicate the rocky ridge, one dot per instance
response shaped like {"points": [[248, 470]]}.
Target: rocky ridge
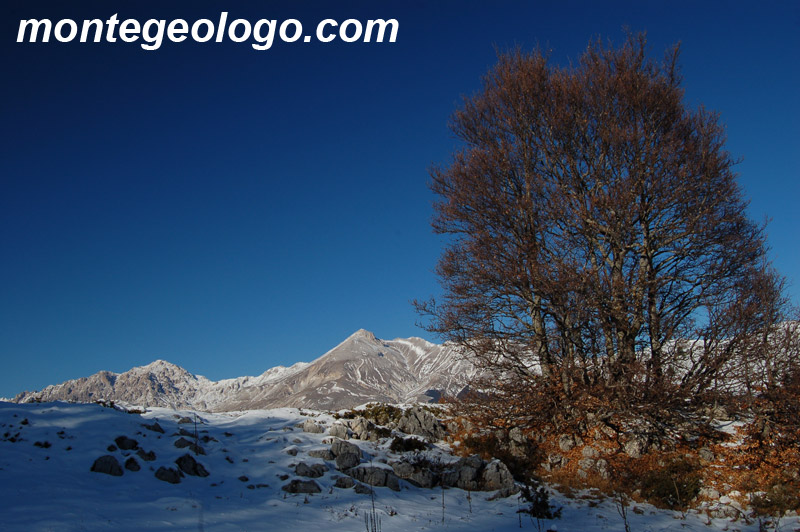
{"points": [[361, 369]]}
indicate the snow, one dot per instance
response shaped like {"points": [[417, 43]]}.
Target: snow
{"points": [[52, 488]]}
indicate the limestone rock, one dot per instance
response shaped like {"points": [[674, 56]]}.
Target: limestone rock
{"points": [[132, 465], [155, 427], [416, 474], [496, 476], [589, 452], [376, 476], [325, 454], [420, 422], [345, 482], [635, 447], [312, 471], [361, 489], [168, 474], [311, 426], [146, 456], [347, 454], [566, 442], [182, 443], [339, 430], [301, 486], [126, 444], [190, 466], [107, 464]]}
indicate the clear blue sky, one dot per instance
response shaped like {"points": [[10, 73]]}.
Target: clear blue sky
{"points": [[230, 210]]}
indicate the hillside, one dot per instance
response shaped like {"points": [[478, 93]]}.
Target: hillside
{"points": [[48, 450]]}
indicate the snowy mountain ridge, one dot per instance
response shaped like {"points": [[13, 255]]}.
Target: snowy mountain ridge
{"points": [[360, 369]]}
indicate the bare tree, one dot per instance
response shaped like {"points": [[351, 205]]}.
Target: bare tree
{"points": [[594, 222]]}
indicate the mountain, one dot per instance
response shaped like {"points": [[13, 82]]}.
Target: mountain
{"points": [[361, 369]]}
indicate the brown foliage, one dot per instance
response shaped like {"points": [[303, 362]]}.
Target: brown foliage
{"points": [[595, 222]]}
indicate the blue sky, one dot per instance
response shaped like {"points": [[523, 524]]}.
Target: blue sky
{"points": [[229, 210]]}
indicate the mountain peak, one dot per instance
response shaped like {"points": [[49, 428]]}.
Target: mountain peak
{"points": [[161, 367], [362, 334]]}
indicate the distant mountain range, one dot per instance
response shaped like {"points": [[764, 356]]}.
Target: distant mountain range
{"points": [[361, 369]]}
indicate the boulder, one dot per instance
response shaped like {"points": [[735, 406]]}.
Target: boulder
{"points": [[361, 489], [516, 436], [325, 454], [346, 461], [496, 476], [107, 464], [301, 486], [706, 454], [168, 474], [603, 469], [125, 443], [589, 452], [347, 454], [190, 466], [345, 482], [586, 464], [338, 430], [635, 447], [182, 443], [708, 493], [311, 426], [465, 474], [146, 456], [376, 476], [554, 461], [363, 429], [132, 465], [418, 475], [566, 442], [420, 422], [339, 447], [155, 427], [312, 471]]}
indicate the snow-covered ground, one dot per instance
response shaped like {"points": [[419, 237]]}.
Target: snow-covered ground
{"points": [[47, 450]]}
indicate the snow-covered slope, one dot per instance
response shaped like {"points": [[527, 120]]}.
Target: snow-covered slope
{"points": [[47, 451], [362, 368]]}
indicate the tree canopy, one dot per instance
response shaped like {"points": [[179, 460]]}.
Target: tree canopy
{"points": [[599, 241]]}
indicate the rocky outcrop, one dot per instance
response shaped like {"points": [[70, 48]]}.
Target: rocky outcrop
{"points": [[324, 454], [375, 476], [364, 429], [339, 430], [471, 473], [636, 446], [310, 426], [347, 455], [421, 422], [496, 476]]}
